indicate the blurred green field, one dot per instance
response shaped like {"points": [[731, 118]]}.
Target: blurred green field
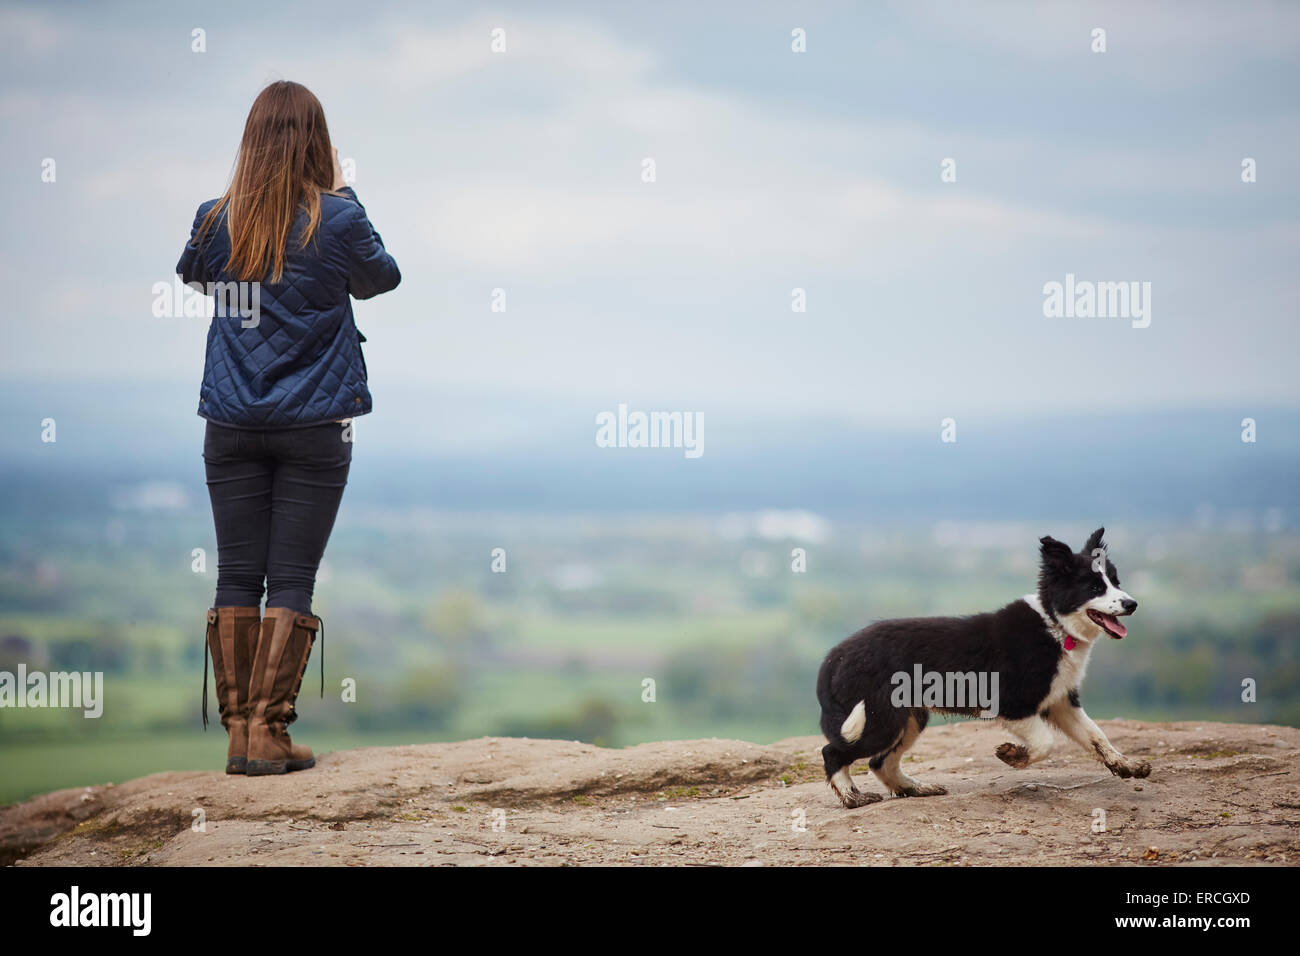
{"points": [[562, 645]]}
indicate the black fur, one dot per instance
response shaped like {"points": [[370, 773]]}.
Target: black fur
{"points": [[1010, 641], [1014, 642], [879, 759]]}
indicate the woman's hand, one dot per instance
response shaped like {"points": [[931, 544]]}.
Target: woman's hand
{"points": [[338, 171]]}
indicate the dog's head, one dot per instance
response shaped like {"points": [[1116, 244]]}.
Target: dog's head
{"points": [[1082, 590]]}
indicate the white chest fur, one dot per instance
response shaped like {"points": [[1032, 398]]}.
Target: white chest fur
{"points": [[1074, 662]]}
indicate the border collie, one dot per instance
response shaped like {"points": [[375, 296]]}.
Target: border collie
{"points": [[1035, 650]]}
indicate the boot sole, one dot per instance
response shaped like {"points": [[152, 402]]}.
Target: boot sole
{"points": [[236, 765], [265, 768]]}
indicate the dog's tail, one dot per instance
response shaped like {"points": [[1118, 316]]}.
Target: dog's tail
{"points": [[842, 726]]}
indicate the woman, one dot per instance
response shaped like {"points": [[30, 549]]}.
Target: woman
{"points": [[284, 375]]}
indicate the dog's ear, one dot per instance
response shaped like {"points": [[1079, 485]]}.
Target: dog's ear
{"points": [[1094, 542], [1056, 570], [1057, 555]]}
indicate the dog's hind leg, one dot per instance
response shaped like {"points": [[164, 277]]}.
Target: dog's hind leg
{"points": [[887, 767], [837, 775]]}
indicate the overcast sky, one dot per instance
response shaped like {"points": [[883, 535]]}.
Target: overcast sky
{"points": [[820, 170]]}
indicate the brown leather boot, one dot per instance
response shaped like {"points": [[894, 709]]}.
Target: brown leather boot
{"points": [[282, 650], [232, 639]]}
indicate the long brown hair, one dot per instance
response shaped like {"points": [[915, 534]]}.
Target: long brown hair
{"points": [[284, 162]]}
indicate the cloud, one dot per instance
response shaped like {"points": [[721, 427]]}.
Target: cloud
{"points": [[1160, 38], [559, 187], [523, 170], [28, 31]]}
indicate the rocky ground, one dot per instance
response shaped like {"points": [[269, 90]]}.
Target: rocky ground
{"points": [[1218, 794]]}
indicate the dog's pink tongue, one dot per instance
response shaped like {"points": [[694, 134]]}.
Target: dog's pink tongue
{"points": [[1115, 627]]}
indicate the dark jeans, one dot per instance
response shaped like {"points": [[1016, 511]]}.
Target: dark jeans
{"points": [[275, 493]]}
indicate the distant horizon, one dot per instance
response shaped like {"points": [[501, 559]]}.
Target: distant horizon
{"points": [[540, 456]]}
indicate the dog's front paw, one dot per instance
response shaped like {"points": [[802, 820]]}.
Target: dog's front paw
{"points": [[1013, 755], [1126, 768]]}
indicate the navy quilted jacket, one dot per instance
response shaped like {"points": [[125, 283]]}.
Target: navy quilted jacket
{"points": [[299, 361]]}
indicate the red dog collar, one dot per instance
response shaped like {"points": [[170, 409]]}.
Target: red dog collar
{"points": [[1069, 643]]}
